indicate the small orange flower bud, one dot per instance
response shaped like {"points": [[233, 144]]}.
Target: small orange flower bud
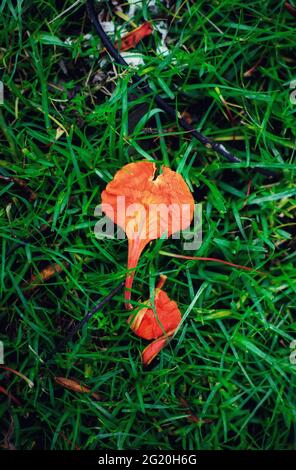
{"points": [[151, 323], [156, 321]]}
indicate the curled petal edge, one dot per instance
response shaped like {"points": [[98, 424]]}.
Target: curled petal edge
{"points": [[151, 351]]}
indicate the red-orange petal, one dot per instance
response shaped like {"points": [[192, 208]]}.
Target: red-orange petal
{"points": [[136, 186], [151, 324], [132, 38], [151, 351]]}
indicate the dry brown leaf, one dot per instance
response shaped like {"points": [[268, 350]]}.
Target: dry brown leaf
{"points": [[74, 386], [45, 274], [29, 193]]}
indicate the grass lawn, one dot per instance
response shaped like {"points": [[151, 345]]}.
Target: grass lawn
{"points": [[70, 119]]}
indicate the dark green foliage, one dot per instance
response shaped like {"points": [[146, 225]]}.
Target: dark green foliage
{"points": [[230, 362]]}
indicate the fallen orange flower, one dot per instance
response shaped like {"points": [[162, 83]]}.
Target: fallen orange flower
{"points": [[141, 218], [158, 322]]}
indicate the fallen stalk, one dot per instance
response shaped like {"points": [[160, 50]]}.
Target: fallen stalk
{"points": [[215, 260]]}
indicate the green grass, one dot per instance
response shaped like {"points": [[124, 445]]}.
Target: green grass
{"points": [[230, 360]]}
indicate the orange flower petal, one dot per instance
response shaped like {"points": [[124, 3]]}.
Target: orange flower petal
{"points": [[152, 323], [140, 217], [131, 39], [151, 351]]}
